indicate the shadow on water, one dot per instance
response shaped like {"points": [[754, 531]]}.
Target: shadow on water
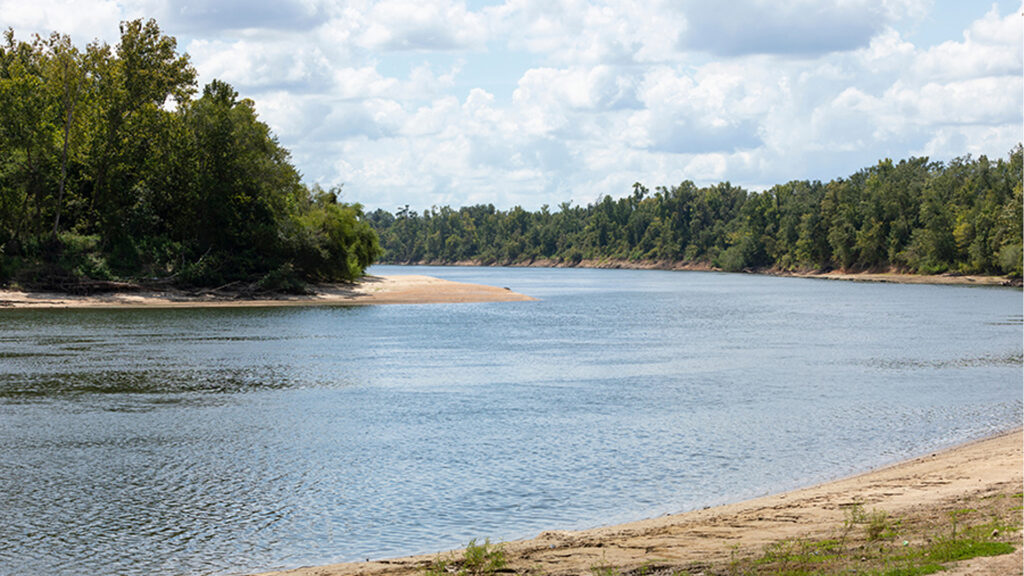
{"points": [[49, 354], [912, 364], [1011, 321], [140, 382]]}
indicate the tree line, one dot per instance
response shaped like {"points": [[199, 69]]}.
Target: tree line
{"points": [[111, 167], [915, 215]]}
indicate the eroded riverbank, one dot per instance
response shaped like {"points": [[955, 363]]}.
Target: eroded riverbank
{"points": [[883, 277]]}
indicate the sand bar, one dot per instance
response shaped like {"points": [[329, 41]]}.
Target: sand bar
{"points": [[398, 289], [927, 486]]}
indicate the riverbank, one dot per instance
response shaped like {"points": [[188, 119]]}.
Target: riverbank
{"points": [[885, 277], [897, 278], [918, 498], [397, 289]]}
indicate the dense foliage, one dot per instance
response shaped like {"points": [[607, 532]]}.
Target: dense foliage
{"points": [[110, 168], [917, 216]]}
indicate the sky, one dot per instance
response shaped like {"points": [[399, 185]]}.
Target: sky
{"points": [[532, 102]]}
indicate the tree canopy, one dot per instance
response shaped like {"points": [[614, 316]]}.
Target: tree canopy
{"points": [[112, 168], [914, 215]]}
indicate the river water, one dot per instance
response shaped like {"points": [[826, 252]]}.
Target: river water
{"points": [[182, 442]]}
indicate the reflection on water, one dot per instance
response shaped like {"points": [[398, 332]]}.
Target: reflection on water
{"points": [[220, 441], [146, 381]]}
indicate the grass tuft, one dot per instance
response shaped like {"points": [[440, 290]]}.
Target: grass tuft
{"points": [[956, 550], [478, 560]]}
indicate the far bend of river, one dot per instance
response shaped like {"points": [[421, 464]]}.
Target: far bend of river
{"points": [[184, 442]]}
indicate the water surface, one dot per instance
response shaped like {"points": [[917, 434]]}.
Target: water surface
{"points": [[223, 441]]}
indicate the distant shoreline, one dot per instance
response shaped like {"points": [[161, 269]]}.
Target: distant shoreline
{"points": [[418, 289], [881, 277], [397, 289]]}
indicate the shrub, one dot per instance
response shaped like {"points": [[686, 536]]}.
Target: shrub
{"points": [[282, 279]]}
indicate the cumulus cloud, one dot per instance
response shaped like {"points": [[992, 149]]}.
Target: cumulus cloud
{"points": [[422, 25], [614, 32], [262, 66], [82, 20], [990, 47]]}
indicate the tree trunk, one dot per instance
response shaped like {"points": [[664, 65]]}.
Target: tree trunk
{"points": [[63, 169]]}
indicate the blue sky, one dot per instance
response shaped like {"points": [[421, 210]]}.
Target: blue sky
{"points": [[533, 102]]}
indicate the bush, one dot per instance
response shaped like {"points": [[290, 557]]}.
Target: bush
{"points": [[80, 256], [283, 279], [206, 271], [1011, 260], [331, 242], [732, 259]]}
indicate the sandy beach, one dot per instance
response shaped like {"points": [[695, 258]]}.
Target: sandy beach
{"points": [[397, 289], [922, 491]]}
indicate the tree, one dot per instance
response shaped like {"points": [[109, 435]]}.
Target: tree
{"points": [[67, 73], [109, 168], [26, 136], [134, 82]]}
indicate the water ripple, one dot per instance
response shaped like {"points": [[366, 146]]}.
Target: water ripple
{"points": [[211, 442]]}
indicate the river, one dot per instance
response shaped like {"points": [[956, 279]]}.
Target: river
{"points": [[223, 441]]}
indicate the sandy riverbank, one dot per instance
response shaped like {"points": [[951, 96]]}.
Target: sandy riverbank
{"points": [[918, 490], [895, 278], [885, 277], [398, 289]]}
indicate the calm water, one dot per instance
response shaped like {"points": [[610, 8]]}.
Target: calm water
{"points": [[223, 441]]}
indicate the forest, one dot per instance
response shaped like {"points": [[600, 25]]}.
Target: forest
{"points": [[114, 168], [915, 216]]}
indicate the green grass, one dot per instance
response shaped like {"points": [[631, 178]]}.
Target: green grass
{"points": [[914, 570], [866, 543], [876, 543], [477, 560], [604, 569], [956, 550]]}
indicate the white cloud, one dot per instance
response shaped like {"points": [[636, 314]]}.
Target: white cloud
{"points": [[959, 102], [422, 25], [82, 20], [258, 66], [990, 47], [612, 32], [573, 103], [432, 119], [717, 108], [360, 83], [955, 141]]}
